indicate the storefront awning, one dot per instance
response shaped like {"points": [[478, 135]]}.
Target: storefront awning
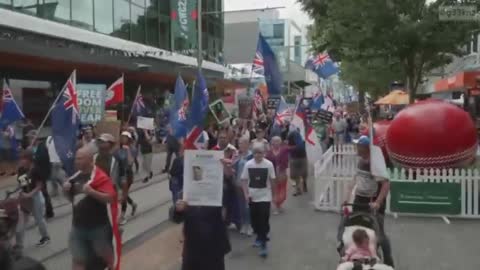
{"points": [[459, 82]]}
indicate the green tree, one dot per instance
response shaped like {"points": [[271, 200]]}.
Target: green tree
{"points": [[405, 34]]}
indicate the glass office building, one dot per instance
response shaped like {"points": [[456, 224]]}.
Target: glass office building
{"points": [[142, 21]]}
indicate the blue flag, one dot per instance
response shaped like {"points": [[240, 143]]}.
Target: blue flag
{"points": [[197, 114], [179, 110], [265, 62], [65, 124], [322, 64], [317, 101], [10, 110], [138, 106]]}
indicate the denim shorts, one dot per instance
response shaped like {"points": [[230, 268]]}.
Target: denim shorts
{"points": [[87, 243]]}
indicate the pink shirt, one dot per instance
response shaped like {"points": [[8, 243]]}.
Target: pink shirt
{"points": [[355, 253]]}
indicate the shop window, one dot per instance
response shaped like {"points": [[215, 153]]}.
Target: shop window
{"points": [[164, 31], [152, 24], [82, 14], [121, 19], [164, 6], [26, 6], [104, 16], [55, 10], [138, 24], [278, 30]]}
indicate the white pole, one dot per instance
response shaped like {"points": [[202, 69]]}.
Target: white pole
{"points": [[73, 76]]}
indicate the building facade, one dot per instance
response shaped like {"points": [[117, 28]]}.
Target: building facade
{"points": [[286, 38], [43, 41]]}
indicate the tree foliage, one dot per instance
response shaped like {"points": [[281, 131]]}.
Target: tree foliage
{"points": [[387, 37]]}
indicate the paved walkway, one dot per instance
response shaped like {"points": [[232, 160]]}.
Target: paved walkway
{"points": [[303, 239]]}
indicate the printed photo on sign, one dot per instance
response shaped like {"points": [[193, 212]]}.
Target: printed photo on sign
{"points": [[258, 177], [203, 178], [91, 102], [197, 173], [219, 111]]}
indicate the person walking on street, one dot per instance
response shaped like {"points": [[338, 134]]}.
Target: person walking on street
{"points": [[145, 142], [244, 155], [41, 160], [31, 181], [57, 174], [95, 231], [298, 162], [371, 191], [258, 179], [125, 155], [172, 148], [278, 155], [176, 175]]}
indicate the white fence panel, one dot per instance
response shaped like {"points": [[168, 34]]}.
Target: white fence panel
{"points": [[335, 171]]}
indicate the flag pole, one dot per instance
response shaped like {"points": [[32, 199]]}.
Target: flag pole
{"points": [[133, 104], [74, 76]]}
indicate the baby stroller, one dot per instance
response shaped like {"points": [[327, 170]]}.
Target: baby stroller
{"points": [[350, 222], [9, 258]]}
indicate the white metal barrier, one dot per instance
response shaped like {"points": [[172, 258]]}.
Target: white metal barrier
{"points": [[335, 171]]}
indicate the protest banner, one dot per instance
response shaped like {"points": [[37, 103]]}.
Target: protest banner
{"points": [[111, 127], [145, 123], [203, 178], [91, 102], [219, 111]]}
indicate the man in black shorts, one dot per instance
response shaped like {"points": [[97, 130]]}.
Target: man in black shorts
{"points": [[95, 226]]}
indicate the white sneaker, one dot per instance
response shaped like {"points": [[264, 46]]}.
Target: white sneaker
{"points": [[275, 212], [243, 230], [249, 231], [123, 221], [232, 226]]}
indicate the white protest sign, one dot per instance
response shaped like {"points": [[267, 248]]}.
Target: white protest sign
{"points": [[145, 123], [203, 178]]}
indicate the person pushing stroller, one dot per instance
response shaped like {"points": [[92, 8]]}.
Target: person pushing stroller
{"points": [[371, 191]]}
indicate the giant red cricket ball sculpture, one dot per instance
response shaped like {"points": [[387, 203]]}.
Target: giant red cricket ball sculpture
{"points": [[432, 134]]}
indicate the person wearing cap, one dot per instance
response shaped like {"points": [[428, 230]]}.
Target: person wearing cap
{"points": [[111, 164], [88, 138], [258, 179], [370, 190], [126, 154]]}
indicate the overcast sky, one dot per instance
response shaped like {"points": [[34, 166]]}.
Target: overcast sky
{"points": [[292, 9]]}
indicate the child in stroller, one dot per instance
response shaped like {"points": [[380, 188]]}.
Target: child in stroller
{"points": [[358, 242]]}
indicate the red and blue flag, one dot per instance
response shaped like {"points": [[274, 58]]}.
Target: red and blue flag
{"points": [[10, 110], [198, 112], [179, 110], [265, 63], [65, 123], [322, 64]]}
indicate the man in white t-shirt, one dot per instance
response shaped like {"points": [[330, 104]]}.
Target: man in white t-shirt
{"points": [[257, 177], [57, 173]]}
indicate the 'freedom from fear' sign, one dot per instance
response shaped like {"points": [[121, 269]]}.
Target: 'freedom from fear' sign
{"points": [[91, 102]]}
